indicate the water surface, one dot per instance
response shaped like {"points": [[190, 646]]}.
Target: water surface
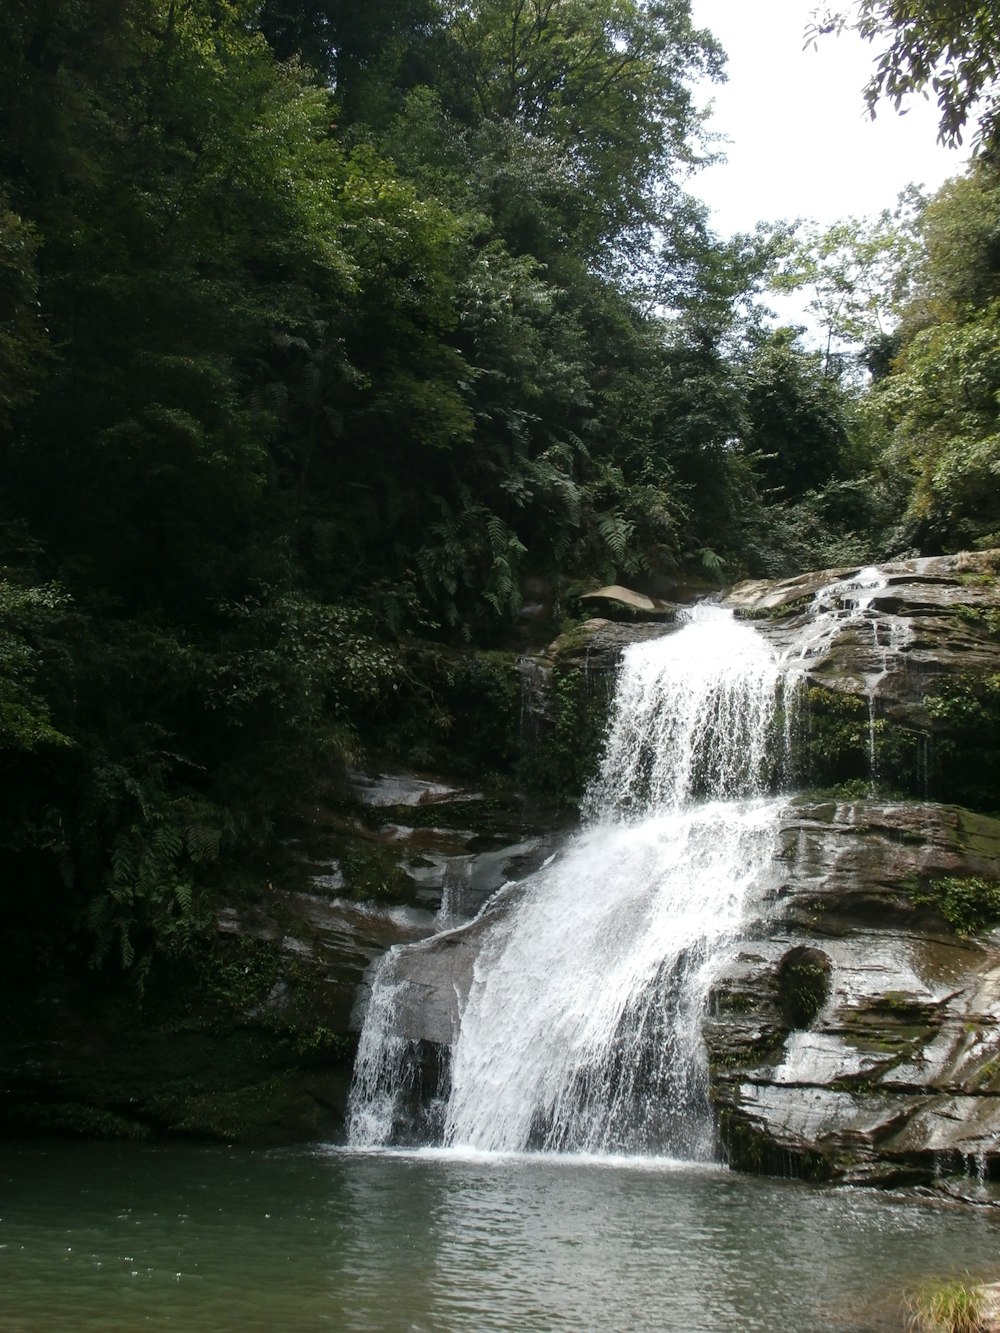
{"points": [[122, 1237]]}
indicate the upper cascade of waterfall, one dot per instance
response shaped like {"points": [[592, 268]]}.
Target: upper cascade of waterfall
{"points": [[691, 717]]}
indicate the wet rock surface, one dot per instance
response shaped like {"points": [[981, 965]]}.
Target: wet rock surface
{"points": [[258, 1045], [853, 1035], [858, 1036], [935, 617], [407, 856]]}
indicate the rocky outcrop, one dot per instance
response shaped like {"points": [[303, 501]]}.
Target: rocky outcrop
{"points": [[900, 682], [856, 1034], [629, 602], [407, 856], [565, 695], [258, 1043], [897, 684], [935, 617]]}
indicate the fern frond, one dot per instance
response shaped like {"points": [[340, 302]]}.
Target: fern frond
{"points": [[125, 945], [615, 533], [202, 842]]}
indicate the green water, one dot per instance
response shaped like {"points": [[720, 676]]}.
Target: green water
{"points": [[119, 1237]]}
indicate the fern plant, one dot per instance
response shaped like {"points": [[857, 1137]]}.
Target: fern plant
{"points": [[152, 897]]}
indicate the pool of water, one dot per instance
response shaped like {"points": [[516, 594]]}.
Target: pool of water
{"points": [[117, 1237]]}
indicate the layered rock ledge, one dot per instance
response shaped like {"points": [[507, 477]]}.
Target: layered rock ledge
{"points": [[855, 1035]]}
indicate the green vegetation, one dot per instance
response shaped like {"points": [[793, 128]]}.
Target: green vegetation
{"points": [[947, 1305], [948, 47], [963, 761], [562, 759], [317, 337], [327, 331], [969, 904], [803, 986]]}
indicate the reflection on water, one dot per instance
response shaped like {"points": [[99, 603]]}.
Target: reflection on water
{"points": [[117, 1237]]}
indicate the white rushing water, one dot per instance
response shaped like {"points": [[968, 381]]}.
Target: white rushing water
{"points": [[581, 1029]]}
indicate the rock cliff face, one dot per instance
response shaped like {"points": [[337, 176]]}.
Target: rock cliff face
{"points": [[905, 696], [854, 1033]]}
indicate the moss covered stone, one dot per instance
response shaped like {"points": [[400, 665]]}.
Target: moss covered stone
{"points": [[566, 753]]}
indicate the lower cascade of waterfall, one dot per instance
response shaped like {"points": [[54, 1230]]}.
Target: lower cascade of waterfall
{"points": [[579, 1030], [582, 1027]]}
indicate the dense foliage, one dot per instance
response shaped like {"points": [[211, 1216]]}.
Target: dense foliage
{"points": [[949, 47], [325, 328]]}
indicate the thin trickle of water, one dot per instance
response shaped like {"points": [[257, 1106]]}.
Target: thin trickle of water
{"points": [[847, 604], [835, 607]]}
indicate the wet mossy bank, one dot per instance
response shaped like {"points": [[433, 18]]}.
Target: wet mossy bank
{"points": [[244, 1030], [193, 1056]]}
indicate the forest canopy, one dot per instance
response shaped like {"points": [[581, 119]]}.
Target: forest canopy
{"points": [[326, 330]]}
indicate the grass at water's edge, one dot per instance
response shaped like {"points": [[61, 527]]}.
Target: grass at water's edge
{"points": [[951, 1305]]}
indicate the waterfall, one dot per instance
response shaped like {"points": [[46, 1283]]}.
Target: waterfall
{"points": [[691, 716], [581, 1028]]}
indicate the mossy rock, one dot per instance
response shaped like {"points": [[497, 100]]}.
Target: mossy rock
{"points": [[77, 1120], [198, 1053], [566, 753], [749, 1149]]}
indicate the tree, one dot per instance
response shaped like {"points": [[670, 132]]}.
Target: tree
{"points": [[940, 401], [860, 273], [23, 345], [959, 253], [604, 83], [370, 54], [796, 423], [951, 47]]}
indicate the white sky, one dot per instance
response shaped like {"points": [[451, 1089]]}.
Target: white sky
{"points": [[802, 144]]}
